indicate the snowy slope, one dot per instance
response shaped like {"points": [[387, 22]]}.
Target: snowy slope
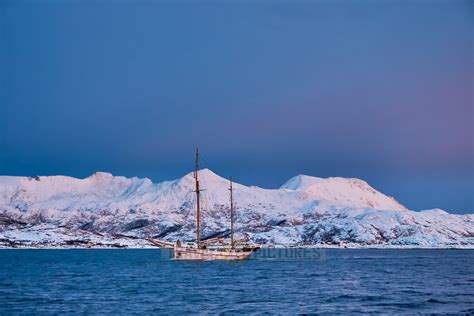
{"points": [[304, 211], [343, 191]]}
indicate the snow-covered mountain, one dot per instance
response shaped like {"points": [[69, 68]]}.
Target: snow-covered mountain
{"points": [[106, 209], [342, 191]]}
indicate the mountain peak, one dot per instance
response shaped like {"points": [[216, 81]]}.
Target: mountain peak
{"points": [[300, 181], [100, 175], [206, 175], [343, 191]]}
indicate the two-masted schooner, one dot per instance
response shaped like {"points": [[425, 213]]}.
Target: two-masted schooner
{"points": [[201, 250]]}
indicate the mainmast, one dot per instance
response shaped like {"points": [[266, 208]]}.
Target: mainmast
{"points": [[231, 216], [198, 215]]}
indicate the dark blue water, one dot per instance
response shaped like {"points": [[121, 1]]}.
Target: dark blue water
{"points": [[143, 281]]}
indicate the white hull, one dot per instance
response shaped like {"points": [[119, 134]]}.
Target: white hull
{"points": [[186, 253]]}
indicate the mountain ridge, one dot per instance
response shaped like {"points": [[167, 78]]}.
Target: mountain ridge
{"points": [[305, 210]]}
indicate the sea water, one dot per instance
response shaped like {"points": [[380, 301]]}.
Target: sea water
{"points": [[146, 281]]}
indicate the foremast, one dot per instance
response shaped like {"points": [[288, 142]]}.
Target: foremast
{"points": [[198, 206], [232, 245]]}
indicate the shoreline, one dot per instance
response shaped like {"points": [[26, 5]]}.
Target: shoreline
{"points": [[322, 247]]}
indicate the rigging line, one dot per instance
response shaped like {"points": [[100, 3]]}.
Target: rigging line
{"points": [[205, 163], [236, 208], [204, 198], [189, 206]]}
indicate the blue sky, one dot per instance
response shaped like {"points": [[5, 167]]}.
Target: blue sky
{"points": [[379, 90]]}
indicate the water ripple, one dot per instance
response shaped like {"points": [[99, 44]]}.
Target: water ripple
{"points": [[140, 282]]}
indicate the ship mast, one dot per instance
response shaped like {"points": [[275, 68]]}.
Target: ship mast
{"points": [[198, 215], [231, 216]]}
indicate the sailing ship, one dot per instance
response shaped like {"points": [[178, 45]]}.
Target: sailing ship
{"points": [[202, 249]]}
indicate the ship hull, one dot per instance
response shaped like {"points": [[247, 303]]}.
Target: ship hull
{"points": [[185, 253]]}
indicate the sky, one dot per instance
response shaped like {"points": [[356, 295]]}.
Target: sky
{"points": [[378, 90]]}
